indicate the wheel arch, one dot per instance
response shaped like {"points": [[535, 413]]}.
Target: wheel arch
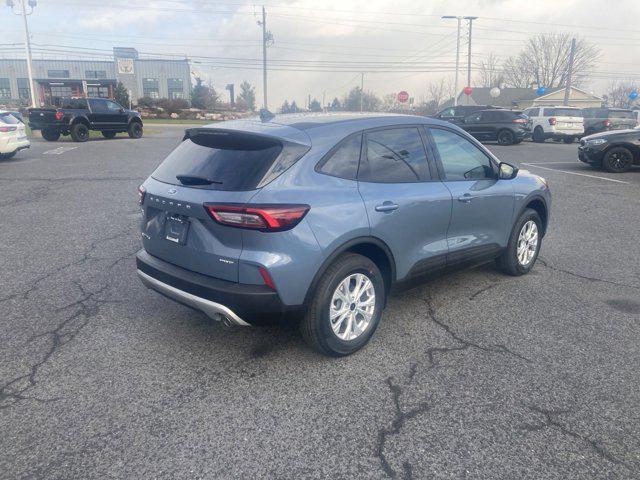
{"points": [[80, 119], [634, 149], [538, 204], [371, 247]]}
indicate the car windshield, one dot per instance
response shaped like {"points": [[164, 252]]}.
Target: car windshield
{"points": [[567, 112], [8, 118], [621, 114]]}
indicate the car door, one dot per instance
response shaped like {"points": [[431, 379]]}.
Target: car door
{"points": [[482, 206], [116, 115], [492, 121], [98, 112], [473, 125], [408, 208]]}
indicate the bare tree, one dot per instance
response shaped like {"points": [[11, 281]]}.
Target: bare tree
{"points": [[440, 91], [545, 59], [618, 94], [491, 72]]}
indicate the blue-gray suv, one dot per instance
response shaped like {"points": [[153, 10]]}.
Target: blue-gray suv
{"points": [[318, 216]]}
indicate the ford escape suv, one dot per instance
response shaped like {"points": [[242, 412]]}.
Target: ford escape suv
{"points": [[319, 215]]}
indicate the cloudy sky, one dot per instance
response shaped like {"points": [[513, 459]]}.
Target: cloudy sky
{"points": [[320, 47]]}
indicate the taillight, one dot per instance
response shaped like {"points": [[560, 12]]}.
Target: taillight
{"points": [[607, 123], [267, 218], [552, 121], [141, 193], [520, 120], [8, 129], [59, 115]]}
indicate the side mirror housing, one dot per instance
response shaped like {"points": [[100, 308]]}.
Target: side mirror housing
{"points": [[507, 171]]}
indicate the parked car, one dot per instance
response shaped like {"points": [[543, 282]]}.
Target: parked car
{"points": [[77, 116], [558, 123], [615, 151], [504, 126], [605, 119], [13, 136], [321, 214], [458, 113]]}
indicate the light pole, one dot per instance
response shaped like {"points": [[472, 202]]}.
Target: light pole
{"points": [[470, 21], [267, 40], [23, 11], [459, 19]]}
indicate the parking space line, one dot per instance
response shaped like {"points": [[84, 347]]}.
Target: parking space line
{"points": [[575, 173], [58, 151]]}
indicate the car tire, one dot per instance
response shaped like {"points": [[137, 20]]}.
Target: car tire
{"points": [[568, 140], [135, 130], [521, 254], [617, 160], [109, 134], [7, 156], [332, 338], [80, 132], [538, 135], [50, 135], [506, 137]]}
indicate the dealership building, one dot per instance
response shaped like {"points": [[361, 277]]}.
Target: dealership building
{"points": [[53, 79]]}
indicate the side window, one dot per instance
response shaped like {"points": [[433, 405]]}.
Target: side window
{"points": [[343, 162], [113, 107], [473, 118], [461, 159], [533, 112], [449, 112], [98, 106], [492, 116], [396, 155]]}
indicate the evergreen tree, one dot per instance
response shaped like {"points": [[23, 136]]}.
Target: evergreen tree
{"points": [[315, 106], [285, 108], [247, 95], [121, 95]]}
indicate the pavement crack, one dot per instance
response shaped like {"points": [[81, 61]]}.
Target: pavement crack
{"points": [[482, 290], [400, 417], [551, 420], [585, 277]]}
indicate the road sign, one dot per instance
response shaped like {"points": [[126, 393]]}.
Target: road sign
{"points": [[403, 97]]}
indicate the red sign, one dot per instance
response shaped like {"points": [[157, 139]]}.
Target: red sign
{"points": [[467, 91], [403, 97]]}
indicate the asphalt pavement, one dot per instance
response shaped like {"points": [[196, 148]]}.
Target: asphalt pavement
{"points": [[476, 375]]}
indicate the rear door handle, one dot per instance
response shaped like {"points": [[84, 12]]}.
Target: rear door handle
{"points": [[466, 198], [386, 207]]}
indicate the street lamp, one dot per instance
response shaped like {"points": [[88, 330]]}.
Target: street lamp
{"points": [[22, 10]]}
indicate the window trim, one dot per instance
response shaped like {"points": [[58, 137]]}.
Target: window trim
{"points": [[432, 143], [327, 156], [432, 177]]}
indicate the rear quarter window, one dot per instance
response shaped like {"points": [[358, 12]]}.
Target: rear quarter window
{"points": [[621, 114], [8, 119], [343, 161]]}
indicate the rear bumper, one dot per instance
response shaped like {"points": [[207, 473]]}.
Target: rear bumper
{"points": [[564, 134], [13, 145], [239, 304]]}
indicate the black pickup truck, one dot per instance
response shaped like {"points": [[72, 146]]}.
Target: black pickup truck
{"points": [[76, 116]]}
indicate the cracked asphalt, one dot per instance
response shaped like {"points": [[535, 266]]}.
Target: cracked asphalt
{"points": [[472, 376]]}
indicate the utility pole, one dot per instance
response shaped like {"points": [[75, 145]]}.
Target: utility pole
{"points": [[266, 38], [459, 19], [361, 91], [567, 87], [27, 42], [470, 21]]}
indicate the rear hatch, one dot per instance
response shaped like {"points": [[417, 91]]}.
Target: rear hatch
{"points": [[42, 116], [569, 120], [219, 166], [622, 119]]}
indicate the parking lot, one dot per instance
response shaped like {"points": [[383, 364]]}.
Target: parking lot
{"points": [[475, 375]]}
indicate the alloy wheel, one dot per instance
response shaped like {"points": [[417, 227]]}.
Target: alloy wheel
{"points": [[352, 306], [527, 243]]}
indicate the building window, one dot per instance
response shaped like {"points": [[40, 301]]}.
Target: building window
{"points": [[150, 88], [23, 89], [59, 91], [97, 91], [5, 89], [58, 73], [175, 86], [95, 74]]}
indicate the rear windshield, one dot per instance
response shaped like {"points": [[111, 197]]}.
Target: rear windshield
{"points": [[566, 112], [73, 103], [621, 114], [8, 119], [227, 161]]}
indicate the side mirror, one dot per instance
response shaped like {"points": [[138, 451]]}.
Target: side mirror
{"points": [[507, 171]]}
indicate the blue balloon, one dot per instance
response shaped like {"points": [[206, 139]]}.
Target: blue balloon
{"points": [[541, 90], [633, 95]]}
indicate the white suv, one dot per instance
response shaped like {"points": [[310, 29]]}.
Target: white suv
{"points": [[559, 123]]}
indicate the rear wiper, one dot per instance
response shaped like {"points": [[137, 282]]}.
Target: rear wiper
{"points": [[195, 180]]}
